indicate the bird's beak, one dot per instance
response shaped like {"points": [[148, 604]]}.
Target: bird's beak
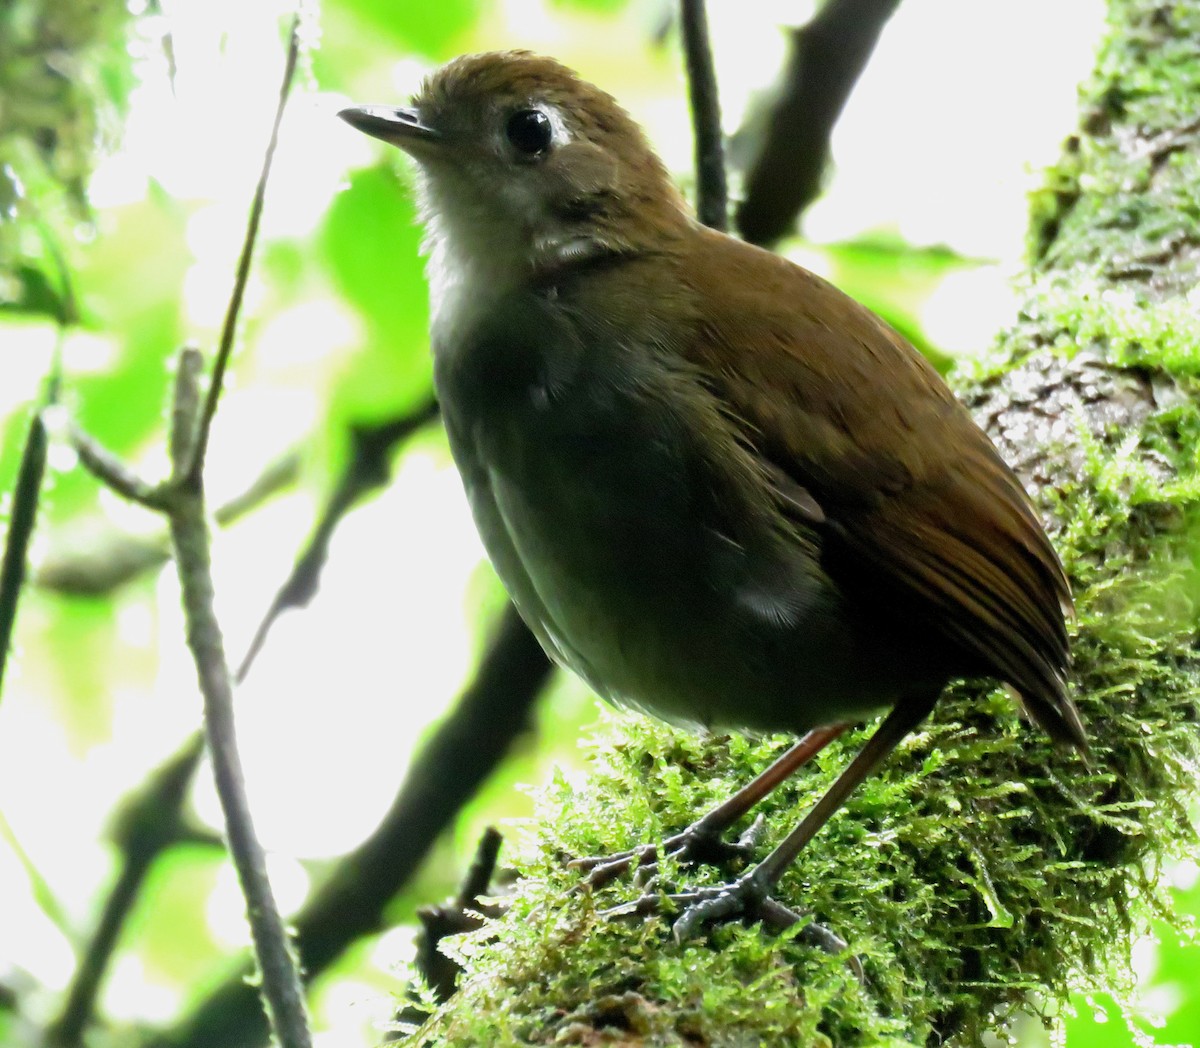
{"points": [[398, 127]]}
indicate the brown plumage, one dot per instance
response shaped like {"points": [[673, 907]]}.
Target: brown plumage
{"points": [[907, 483], [716, 488]]}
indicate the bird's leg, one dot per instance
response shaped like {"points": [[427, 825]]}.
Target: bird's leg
{"points": [[701, 841], [749, 897]]}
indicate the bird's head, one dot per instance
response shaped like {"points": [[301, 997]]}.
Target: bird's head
{"points": [[526, 167]]}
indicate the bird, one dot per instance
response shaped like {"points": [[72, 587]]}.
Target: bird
{"points": [[716, 488]]}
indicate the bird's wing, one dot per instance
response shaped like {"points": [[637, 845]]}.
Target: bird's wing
{"points": [[913, 494]]}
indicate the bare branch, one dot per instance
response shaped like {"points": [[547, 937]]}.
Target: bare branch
{"points": [[189, 531], [101, 561], [111, 471], [182, 500], [183, 503], [158, 805]]}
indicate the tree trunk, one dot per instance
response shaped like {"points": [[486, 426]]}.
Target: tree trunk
{"points": [[984, 869]]}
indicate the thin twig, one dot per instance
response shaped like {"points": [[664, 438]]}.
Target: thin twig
{"points": [[366, 469], [182, 499], [104, 562], [712, 193], [185, 407], [281, 986], [110, 470], [232, 312]]}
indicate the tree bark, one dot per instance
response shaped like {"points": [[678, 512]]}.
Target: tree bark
{"points": [[984, 869]]}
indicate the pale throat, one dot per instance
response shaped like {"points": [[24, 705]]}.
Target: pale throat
{"points": [[474, 258], [465, 276]]}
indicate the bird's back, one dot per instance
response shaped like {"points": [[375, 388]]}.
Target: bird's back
{"points": [[919, 510]]}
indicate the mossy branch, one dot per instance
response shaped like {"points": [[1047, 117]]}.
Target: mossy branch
{"points": [[984, 869]]}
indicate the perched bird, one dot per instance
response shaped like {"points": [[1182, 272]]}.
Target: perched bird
{"points": [[716, 488]]}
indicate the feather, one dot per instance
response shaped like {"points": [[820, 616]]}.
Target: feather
{"points": [[854, 418]]}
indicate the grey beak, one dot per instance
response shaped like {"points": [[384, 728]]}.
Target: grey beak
{"points": [[399, 127]]}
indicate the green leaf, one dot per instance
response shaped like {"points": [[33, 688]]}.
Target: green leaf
{"points": [[428, 29], [29, 291], [371, 244]]}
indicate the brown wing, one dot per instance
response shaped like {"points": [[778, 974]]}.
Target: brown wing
{"points": [[905, 480]]}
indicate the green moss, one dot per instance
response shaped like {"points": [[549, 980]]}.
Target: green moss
{"points": [[983, 870]]}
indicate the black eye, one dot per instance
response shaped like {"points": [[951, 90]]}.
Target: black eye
{"points": [[530, 131]]}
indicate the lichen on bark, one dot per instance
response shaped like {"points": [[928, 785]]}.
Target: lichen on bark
{"points": [[984, 873]]}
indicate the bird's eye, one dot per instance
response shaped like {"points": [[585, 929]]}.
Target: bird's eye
{"points": [[530, 131]]}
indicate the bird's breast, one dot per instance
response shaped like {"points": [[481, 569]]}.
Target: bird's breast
{"points": [[623, 543]]}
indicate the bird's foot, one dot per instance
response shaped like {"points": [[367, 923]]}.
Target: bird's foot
{"points": [[696, 844], [748, 898]]}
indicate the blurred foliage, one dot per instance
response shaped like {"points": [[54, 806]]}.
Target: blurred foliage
{"points": [[334, 334], [895, 279], [65, 74], [380, 276]]}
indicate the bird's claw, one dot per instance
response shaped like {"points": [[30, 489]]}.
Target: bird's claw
{"points": [[746, 898], [742, 897], [694, 845]]}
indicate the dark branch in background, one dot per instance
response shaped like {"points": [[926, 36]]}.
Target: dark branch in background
{"points": [[32, 468], [827, 57], [712, 194], [20, 531], [149, 822], [465, 912], [495, 710], [182, 500], [368, 468]]}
